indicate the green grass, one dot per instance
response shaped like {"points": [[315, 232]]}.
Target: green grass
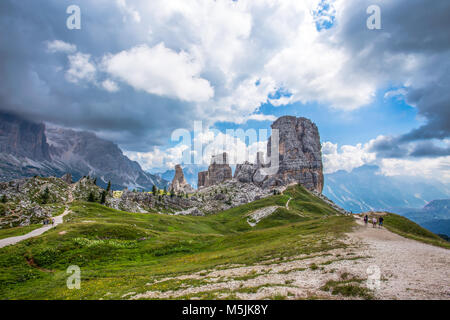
{"points": [[18, 231], [409, 229], [120, 252]]}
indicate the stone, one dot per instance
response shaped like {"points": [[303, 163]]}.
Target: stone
{"points": [[67, 178], [179, 183], [218, 171], [300, 156]]}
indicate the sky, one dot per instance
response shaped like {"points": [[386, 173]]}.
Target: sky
{"points": [[139, 72]]}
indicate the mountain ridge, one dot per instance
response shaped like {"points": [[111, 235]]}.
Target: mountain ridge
{"points": [[49, 151]]}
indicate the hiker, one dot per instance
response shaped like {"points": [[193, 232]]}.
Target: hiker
{"points": [[374, 222], [366, 219], [380, 222], [53, 222]]}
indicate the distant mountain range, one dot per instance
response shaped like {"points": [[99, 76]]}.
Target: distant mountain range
{"points": [[28, 149], [435, 216], [365, 189]]}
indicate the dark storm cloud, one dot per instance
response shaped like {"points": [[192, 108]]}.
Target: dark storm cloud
{"points": [[394, 147], [413, 31], [33, 84], [429, 149]]}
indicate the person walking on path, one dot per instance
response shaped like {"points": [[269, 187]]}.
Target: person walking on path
{"points": [[374, 222], [380, 222], [366, 220]]}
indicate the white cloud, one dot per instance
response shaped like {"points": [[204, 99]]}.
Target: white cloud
{"points": [[431, 168], [80, 68], [213, 142], [159, 158], [110, 85], [60, 46], [346, 158], [128, 11], [349, 157], [262, 117], [397, 93], [161, 71]]}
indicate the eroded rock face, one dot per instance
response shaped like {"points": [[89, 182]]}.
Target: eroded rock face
{"points": [[300, 156], [218, 172], [179, 183]]}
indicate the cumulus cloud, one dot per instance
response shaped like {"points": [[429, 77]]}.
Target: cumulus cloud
{"points": [[110, 85], [431, 168], [161, 71], [80, 68], [211, 142], [60, 46], [128, 11], [347, 157], [432, 164]]}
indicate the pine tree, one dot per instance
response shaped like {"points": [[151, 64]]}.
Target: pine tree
{"points": [[4, 199], [103, 198], [108, 188], [91, 197], [95, 181], [154, 190], [45, 196], [164, 191]]}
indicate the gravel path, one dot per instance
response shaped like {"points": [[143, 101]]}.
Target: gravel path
{"points": [[409, 269], [13, 240], [402, 269]]}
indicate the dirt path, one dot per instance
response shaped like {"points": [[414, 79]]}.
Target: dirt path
{"points": [[287, 203], [13, 240], [406, 269], [409, 269]]}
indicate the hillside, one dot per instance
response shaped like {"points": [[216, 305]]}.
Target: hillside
{"points": [[298, 247]]}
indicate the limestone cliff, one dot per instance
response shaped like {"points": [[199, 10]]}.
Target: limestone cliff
{"points": [[300, 157], [218, 172], [179, 183]]}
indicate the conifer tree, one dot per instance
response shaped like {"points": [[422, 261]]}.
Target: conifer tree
{"points": [[91, 197], [103, 198]]}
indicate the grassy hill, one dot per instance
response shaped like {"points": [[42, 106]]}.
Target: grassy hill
{"points": [[119, 252], [406, 228]]}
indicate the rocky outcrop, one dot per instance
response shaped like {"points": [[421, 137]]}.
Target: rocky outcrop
{"points": [[31, 200], [67, 178], [218, 172], [300, 156], [22, 138], [179, 183]]}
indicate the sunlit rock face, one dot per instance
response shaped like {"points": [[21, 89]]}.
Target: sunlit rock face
{"points": [[300, 155], [179, 183], [218, 171]]}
